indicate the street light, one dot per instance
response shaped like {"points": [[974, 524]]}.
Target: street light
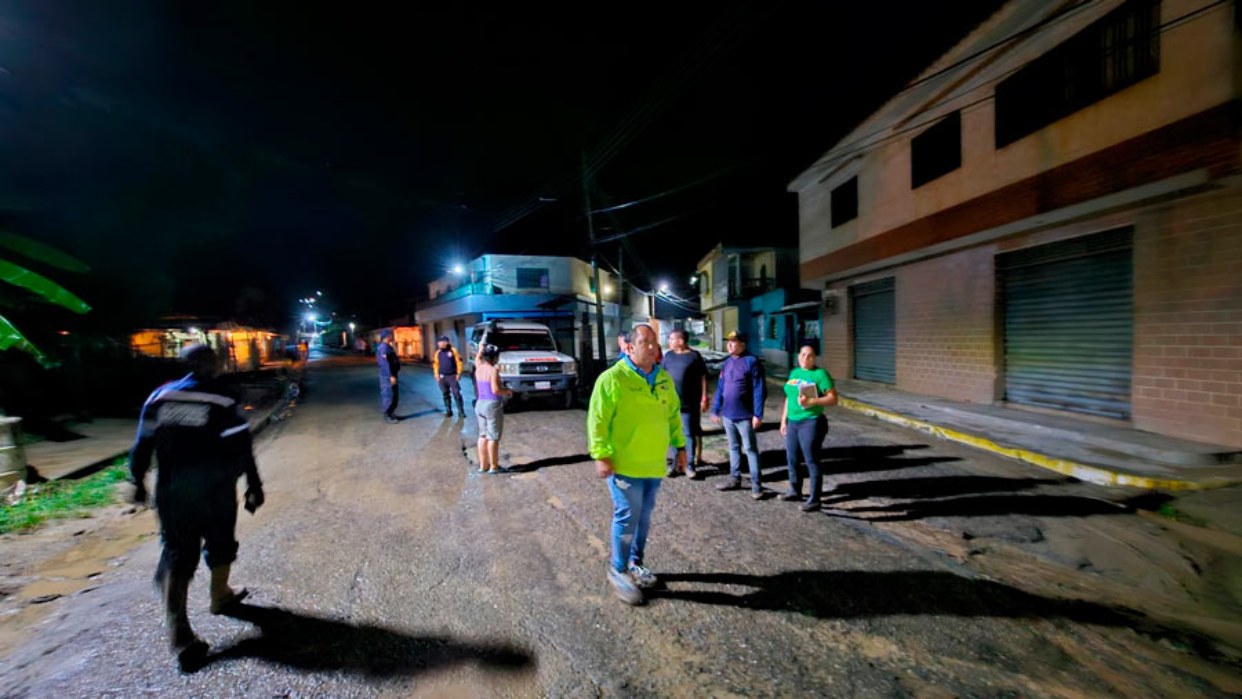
{"points": [[457, 269], [311, 317], [351, 327], [663, 287]]}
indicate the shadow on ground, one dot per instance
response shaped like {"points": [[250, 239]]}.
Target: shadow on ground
{"points": [[855, 594], [936, 487], [994, 505], [551, 461], [314, 643]]}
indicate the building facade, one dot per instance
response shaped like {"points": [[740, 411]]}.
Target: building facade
{"points": [[756, 291], [556, 291], [1049, 218]]}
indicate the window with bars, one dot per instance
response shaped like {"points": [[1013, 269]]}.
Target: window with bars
{"points": [[1119, 50]]}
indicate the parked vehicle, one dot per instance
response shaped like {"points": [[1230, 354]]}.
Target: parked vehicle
{"points": [[530, 364]]}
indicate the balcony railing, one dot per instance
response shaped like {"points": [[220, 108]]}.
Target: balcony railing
{"points": [[745, 288], [461, 292]]}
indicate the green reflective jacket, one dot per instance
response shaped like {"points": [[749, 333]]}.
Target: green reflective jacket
{"points": [[632, 422]]}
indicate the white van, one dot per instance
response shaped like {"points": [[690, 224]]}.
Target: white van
{"points": [[529, 364]]}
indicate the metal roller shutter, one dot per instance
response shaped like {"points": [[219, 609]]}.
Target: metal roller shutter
{"points": [[1069, 324], [875, 334]]}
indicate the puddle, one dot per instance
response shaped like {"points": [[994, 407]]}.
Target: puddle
{"points": [[71, 572]]}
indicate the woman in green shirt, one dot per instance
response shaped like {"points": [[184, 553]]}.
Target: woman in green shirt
{"points": [[807, 392]]}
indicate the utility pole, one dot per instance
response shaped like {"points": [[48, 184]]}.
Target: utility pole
{"points": [[599, 299]]}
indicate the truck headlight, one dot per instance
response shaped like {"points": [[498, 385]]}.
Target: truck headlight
{"points": [[507, 368], [570, 367]]}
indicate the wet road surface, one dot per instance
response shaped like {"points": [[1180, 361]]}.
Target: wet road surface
{"points": [[383, 565]]}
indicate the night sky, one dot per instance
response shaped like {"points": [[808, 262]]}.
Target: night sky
{"points": [[224, 158]]}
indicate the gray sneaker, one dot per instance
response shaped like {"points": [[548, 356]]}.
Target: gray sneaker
{"points": [[731, 484], [642, 576], [625, 588]]}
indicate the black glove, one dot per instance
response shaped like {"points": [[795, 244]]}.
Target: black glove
{"points": [[140, 494], [254, 498]]}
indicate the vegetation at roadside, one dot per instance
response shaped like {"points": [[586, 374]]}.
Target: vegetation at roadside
{"points": [[1169, 511], [67, 499]]}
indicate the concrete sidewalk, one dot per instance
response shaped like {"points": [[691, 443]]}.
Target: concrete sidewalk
{"points": [[102, 441], [1090, 451]]}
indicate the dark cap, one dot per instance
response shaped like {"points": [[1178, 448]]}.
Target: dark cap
{"points": [[386, 333], [442, 338], [736, 336]]}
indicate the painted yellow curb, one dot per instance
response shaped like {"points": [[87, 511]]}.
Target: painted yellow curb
{"points": [[1083, 472]]}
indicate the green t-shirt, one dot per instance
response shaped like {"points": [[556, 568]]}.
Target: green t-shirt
{"points": [[801, 377]]}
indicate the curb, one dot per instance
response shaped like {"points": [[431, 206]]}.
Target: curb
{"points": [[256, 428], [1083, 472]]}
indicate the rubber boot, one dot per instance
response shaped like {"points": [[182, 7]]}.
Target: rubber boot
{"points": [[223, 596], [181, 639], [448, 407], [460, 410]]}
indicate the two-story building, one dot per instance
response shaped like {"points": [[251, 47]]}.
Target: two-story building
{"points": [[755, 291], [556, 291], [1049, 217]]}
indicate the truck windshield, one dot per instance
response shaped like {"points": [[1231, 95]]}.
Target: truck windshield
{"points": [[518, 341]]}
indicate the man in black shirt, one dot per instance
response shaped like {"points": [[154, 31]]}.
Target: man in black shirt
{"points": [[689, 373]]}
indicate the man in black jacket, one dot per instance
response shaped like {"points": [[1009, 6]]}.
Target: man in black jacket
{"points": [[200, 436]]}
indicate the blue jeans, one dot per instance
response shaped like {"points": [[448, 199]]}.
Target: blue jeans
{"points": [[633, 499], [692, 430], [805, 434], [741, 436]]}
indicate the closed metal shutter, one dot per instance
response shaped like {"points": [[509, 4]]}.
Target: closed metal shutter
{"points": [[1069, 324], [875, 334]]}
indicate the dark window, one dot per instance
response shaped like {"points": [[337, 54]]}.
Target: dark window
{"points": [[532, 278], [845, 202], [1117, 51], [936, 151], [772, 328]]}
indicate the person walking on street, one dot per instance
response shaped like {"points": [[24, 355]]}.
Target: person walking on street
{"points": [[633, 417], [740, 392], [199, 434], [446, 367], [807, 392], [489, 407], [689, 373], [389, 367]]}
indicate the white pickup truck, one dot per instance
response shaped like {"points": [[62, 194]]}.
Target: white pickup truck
{"points": [[529, 364]]}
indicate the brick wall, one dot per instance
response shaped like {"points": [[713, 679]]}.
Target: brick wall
{"points": [[1188, 319], [946, 337], [838, 353]]}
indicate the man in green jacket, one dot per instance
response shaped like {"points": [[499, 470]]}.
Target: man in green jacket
{"points": [[634, 417]]}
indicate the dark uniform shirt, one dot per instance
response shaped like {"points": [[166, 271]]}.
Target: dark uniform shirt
{"points": [[688, 371]]}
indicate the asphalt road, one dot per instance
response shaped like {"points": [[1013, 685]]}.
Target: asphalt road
{"points": [[383, 565]]}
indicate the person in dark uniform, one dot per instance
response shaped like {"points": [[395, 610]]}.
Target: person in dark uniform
{"points": [[446, 367], [389, 367], [198, 433]]}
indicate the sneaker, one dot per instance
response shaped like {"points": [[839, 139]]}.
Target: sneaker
{"points": [[642, 576], [757, 494], [810, 506], [731, 484], [691, 473], [791, 495], [670, 472], [391, 420], [625, 588]]}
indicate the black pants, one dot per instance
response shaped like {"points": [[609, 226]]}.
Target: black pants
{"points": [[450, 385], [196, 518]]}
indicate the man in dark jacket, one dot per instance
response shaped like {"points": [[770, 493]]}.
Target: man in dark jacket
{"points": [[740, 393], [200, 436], [389, 367], [446, 367]]}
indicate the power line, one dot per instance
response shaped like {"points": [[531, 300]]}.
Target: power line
{"points": [[863, 144], [668, 192], [705, 50]]}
